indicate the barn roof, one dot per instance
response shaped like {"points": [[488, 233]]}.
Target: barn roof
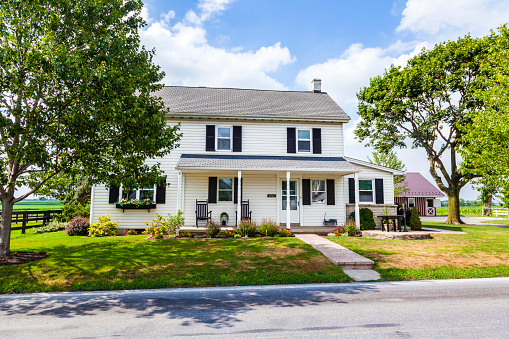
{"points": [[418, 186]]}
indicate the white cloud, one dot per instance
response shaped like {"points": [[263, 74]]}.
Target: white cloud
{"points": [[183, 52], [453, 18]]}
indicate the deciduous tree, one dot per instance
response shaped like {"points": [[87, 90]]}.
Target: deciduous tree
{"points": [[390, 159], [76, 97]]}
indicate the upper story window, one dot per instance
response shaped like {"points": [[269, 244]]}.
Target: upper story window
{"points": [[365, 190], [318, 194], [303, 140], [224, 139]]}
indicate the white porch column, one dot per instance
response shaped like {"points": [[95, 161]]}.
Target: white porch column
{"points": [[179, 191], [92, 196], [357, 213], [288, 200], [239, 198]]}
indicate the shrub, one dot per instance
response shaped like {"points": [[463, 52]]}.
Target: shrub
{"points": [[415, 221], [246, 228], [350, 229], [70, 211], [78, 226], [213, 229], [408, 216], [103, 227], [268, 227], [175, 222], [131, 232], [185, 235], [237, 236], [366, 219], [52, 226], [229, 234], [285, 232], [157, 226]]}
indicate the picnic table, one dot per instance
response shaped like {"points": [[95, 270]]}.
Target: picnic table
{"points": [[384, 219]]}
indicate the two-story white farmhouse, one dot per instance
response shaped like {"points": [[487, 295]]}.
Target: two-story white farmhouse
{"points": [[281, 151]]}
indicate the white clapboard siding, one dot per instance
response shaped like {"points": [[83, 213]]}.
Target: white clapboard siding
{"points": [[368, 173], [258, 138], [313, 215]]}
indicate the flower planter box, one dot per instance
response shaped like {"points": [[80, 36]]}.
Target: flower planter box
{"points": [[136, 207]]}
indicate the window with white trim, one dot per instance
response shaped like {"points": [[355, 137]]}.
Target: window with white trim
{"points": [[304, 140], [366, 190], [411, 202], [224, 139], [318, 193], [225, 189], [139, 194]]}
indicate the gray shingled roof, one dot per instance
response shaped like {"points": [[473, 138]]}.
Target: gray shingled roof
{"points": [[250, 103], [256, 162]]}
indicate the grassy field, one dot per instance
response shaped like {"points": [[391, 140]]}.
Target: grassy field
{"points": [[482, 253], [470, 211], [36, 205], [129, 262], [500, 222]]}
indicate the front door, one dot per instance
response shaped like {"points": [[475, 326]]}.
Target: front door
{"points": [[294, 202]]}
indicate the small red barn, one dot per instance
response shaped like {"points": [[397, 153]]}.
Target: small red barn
{"points": [[420, 193]]}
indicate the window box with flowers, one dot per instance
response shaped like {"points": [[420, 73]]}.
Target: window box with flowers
{"points": [[131, 204]]}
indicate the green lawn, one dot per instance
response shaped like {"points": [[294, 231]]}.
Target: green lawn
{"points": [[483, 252], [36, 205], [129, 262], [500, 222]]}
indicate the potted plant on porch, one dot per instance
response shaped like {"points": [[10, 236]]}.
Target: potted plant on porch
{"points": [[224, 218]]}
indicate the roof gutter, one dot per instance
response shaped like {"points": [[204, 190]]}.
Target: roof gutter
{"points": [[190, 115]]}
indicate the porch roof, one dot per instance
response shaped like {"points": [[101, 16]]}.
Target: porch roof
{"points": [[266, 163]]}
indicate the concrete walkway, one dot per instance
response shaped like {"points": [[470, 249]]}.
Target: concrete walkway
{"points": [[353, 264]]}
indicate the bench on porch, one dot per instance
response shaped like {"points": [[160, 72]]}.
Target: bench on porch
{"points": [[202, 211], [245, 213]]}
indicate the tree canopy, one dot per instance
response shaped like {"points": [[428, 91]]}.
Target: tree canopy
{"points": [[425, 103], [76, 97], [390, 159]]}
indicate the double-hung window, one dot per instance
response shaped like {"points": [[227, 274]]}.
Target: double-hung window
{"points": [[225, 189], [318, 193], [365, 190], [304, 140], [224, 139], [139, 194]]}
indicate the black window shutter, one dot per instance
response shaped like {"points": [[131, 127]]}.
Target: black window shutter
{"points": [[306, 191], [237, 138], [161, 192], [235, 190], [290, 140], [379, 191], [317, 140], [114, 193], [212, 190], [331, 195], [210, 142], [351, 190]]}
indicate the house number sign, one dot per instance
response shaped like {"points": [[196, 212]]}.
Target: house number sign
{"points": [[271, 195]]}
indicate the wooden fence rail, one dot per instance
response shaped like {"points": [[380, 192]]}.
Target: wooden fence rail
{"points": [[24, 217]]}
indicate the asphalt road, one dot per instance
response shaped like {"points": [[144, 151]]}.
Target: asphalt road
{"points": [[475, 308]]}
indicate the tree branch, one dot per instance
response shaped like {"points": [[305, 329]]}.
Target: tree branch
{"points": [[33, 190]]}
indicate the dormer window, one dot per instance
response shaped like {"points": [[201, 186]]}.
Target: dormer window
{"points": [[304, 140], [224, 138]]}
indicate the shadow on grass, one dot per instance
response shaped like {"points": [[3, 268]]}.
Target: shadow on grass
{"points": [[216, 308]]}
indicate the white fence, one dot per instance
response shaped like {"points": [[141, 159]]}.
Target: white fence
{"points": [[500, 212]]}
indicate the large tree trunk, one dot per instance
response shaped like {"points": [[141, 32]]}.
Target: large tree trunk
{"points": [[454, 216], [486, 206], [5, 226]]}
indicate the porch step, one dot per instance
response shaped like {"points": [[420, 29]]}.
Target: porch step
{"points": [[336, 253]]}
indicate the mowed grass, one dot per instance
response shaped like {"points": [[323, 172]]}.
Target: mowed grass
{"points": [[481, 253], [129, 262], [499, 222], [36, 205]]}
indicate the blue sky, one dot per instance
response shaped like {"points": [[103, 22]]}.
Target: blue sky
{"points": [[283, 45]]}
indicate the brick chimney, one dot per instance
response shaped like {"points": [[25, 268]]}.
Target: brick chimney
{"points": [[317, 85]]}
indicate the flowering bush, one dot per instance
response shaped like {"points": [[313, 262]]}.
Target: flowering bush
{"points": [[229, 234], [135, 202], [158, 235], [285, 232], [157, 226], [104, 227], [131, 232], [77, 226], [339, 231], [246, 228], [213, 229]]}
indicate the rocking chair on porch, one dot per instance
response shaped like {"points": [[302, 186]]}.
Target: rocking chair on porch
{"points": [[202, 211], [245, 213]]}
